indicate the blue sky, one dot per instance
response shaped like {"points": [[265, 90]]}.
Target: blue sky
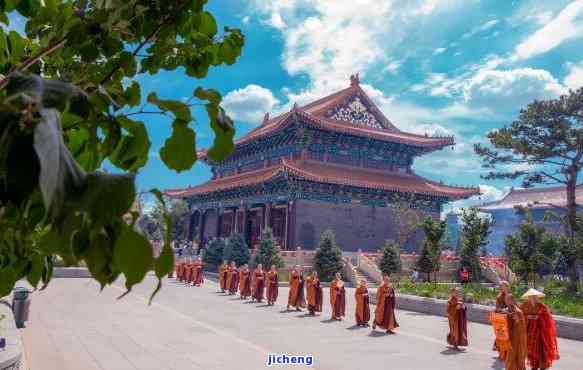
{"points": [[460, 67]]}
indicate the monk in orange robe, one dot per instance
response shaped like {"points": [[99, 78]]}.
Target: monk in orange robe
{"points": [[232, 278], [338, 298], [504, 290], [179, 271], [515, 357], [223, 268], [542, 345], [314, 293], [458, 323], [244, 282], [189, 272], [296, 290], [198, 272], [272, 286], [362, 312], [385, 310], [259, 283]]}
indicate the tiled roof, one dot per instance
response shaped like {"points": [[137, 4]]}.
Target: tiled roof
{"points": [[315, 112], [334, 174], [541, 197]]}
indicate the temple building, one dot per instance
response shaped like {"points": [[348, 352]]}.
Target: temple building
{"points": [[337, 163], [508, 214]]}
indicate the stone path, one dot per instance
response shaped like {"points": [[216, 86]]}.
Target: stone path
{"points": [[73, 326]]}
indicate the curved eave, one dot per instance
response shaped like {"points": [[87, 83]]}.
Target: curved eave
{"points": [[326, 173]]}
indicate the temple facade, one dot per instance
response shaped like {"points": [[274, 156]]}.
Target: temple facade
{"points": [[337, 163]]}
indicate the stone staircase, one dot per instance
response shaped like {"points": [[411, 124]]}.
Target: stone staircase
{"points": [[369, 281]]}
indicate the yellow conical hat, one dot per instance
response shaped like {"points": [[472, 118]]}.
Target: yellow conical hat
{"points": [[533, 292]]}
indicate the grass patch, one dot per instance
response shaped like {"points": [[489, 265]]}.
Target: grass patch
{"points": [[558, 299]]}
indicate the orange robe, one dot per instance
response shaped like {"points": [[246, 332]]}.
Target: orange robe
{"points": [[362, 312], [232, 280], [314, 294], [244, 283], [458, 324], [259, 285], [180, 271], [189, 272], [515, 358], [272, 287], [296, 290], [542, 345], [385, 310], [198, 274], [223, 277], [337, 299]]}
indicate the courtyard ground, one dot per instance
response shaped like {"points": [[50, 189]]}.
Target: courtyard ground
{"points": [[75, 327]]}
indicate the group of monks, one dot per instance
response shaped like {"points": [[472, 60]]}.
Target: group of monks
{"points": [[257, 284], [531, 331], [529, 337], [190, 272]]}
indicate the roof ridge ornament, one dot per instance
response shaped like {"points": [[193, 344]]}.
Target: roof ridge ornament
{"points": [[295, 107], [354, 80], [266, 118]]}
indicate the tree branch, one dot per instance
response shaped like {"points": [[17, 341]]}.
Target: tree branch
{"points": [[32, 61]]}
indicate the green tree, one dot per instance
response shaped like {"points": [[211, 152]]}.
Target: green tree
{"points": [[425, 262], [475, 231], [391, 260], [267, 253], [178, 212], [328, 257], [524, 249], [237, 250], [434, 232], [55, 135], [213, 253], [547, 137]]}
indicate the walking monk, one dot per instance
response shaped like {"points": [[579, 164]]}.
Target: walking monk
{"points": [[337, 298], [504, 290], [198, 272], [223, 268], [515, 357], [541, 331], [259, 283], [362, 313], [295, 297], [458, 324], [385, 311], [314, 293], [233, 278], [272, 286], [244, 282]]}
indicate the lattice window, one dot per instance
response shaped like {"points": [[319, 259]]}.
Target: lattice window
{"points": [[355, 112]]}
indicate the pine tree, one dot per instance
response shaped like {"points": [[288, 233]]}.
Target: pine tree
{"points": [[328, 258], [213, 253], [391, 261], [475, 231], [237, 250], [434, 232], [425, 261], [267, 253]]}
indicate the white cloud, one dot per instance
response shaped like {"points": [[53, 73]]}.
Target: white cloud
{"points": [[439, 51], [565, 26], [481, 28], [488, 194], [574, 79], [276, 21], [510, 90], [245, 19], [250, 103], [393, 66]]}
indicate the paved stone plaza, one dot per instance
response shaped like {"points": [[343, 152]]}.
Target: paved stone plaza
{"points": [[74, 327]]}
